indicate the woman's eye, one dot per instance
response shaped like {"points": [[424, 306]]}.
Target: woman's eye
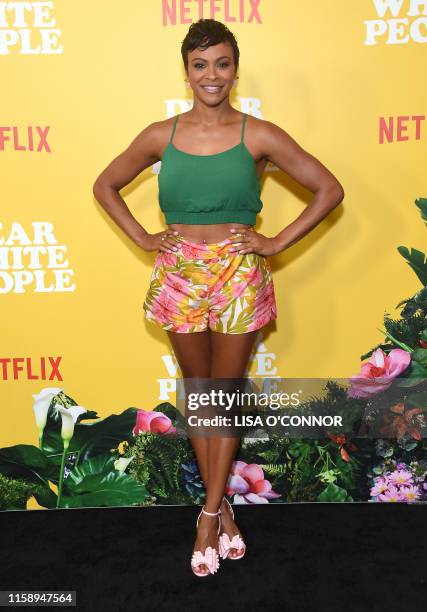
{"points": [[223, 65]]}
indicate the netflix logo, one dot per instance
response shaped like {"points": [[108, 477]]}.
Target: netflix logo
{"points": [[30, 368], [400, 128], [30, 138], [178, 12]]}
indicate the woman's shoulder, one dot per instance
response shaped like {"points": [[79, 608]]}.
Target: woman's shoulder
{"points": [[261, 126], [156, 135], [271, 137], [159, 129], [258, 132]]}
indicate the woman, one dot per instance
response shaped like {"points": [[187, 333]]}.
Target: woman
{"points": [[211, 287]]}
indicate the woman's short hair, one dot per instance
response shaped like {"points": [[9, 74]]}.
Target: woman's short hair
{"points": [[205, 33]]}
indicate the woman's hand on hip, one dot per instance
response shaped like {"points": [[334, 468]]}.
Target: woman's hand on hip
{"points": [[250, 241], [161, 241]]}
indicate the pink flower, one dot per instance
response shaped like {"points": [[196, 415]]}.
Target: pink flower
{"points": [[213, 318], [183, 327], [192, 252], [176, 284], [379, 487], [238, 288], [392, 494], [219, 300], [378, 372], [396, 486], [165, 301], [261, 320], [217, 286], [246, 482], [254, 275], [168, 259], [160, 313], [401, 477], [410, 493], [152, 421]]}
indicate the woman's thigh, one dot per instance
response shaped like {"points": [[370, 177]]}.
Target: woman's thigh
{"points": [[213, 362], [230, 353], [211, 354], [193, 353]]}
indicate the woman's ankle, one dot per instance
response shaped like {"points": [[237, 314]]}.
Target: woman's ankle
{"points": [[224, 506], [211, 511]]}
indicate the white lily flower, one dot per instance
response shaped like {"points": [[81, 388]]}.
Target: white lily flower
{"points": [[69, 418], [42, 401], [122, 463]]}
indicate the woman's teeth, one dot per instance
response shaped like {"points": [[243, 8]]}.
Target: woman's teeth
{"points": [[211, 89]]}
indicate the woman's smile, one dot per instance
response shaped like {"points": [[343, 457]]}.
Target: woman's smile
{"points": [[212, 88]]}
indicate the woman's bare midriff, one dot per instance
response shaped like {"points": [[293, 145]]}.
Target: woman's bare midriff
{"points": [[215, 232]]}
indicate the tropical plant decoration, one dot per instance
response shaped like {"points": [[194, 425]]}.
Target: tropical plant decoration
{"points": [[143, 457]]}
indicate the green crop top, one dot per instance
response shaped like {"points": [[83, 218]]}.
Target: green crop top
{"points": [[201, 189]]}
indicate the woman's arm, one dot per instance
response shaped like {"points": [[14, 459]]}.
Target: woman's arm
{"points": [[142, 152], [281, 149]]}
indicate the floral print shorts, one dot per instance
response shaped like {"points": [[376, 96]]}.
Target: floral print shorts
{"points": [[203, 286]]}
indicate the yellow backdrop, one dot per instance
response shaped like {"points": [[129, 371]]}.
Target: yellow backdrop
{"points": [[80, 80]]}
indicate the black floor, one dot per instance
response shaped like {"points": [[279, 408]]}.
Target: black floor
{"points": [[301, 557]]}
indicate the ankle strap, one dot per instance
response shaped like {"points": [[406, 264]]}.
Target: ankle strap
{"points": [[211, 513]]}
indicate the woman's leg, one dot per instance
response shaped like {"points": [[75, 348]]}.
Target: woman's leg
{"points": [[193, 353], [213, 355], [230, 356]]}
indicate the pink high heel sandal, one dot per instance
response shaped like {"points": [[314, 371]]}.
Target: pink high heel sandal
{"points": [[210, 556], [225, 544]]}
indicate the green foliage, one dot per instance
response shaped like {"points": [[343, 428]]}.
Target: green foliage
{"points": [[100, 483], [335, 401], [28, 463], [14, 492], [421, 203], [261, 451], [89, 439], [415, 258], [157, 464], [333, 493], [96, 482], [415, 304], [417, 261], [407, 329], [274, 468]]}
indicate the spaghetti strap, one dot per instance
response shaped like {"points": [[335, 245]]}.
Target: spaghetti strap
{"points": [[173, 129], [243, 124]]}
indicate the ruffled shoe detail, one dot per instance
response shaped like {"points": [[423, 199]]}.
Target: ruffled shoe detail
{"points": [[210, 559], [225, 544]]}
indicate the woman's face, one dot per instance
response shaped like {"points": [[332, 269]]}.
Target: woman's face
{"points": [[211, 72]]}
